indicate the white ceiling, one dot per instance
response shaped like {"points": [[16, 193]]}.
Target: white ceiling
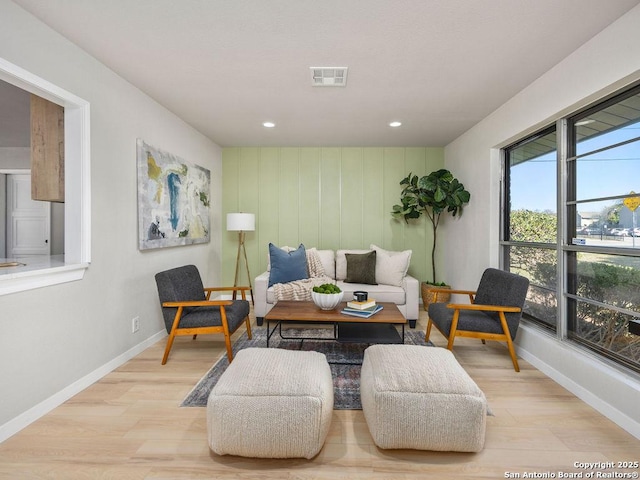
{"points": [[224, 66]]}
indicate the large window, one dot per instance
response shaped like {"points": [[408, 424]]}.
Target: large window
{"points": [[531, 225], [583, 261]]}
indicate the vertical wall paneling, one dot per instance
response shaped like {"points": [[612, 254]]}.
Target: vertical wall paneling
{"points": [[248, 202], [289, 197], [326, 198], [375, 212], [309, 196], [230, 196], [393, 169], [330, 197], [268, 216], [351, 222]]}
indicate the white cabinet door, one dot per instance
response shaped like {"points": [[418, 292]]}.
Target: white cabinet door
{"points": [[28, 221]]}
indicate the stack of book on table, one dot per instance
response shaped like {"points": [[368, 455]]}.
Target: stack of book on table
{"points": [[362, 309]]}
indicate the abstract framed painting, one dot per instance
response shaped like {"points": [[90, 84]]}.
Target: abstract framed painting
{"points": [[173, 199]]}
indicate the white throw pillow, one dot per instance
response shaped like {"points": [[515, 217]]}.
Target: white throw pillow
{"points": [[391, 267]]}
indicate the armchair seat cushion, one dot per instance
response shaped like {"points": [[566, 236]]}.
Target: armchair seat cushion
{"points": [[471, 321], [210, 316]]}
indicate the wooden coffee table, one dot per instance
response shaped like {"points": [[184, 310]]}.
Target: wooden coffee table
{"points": [[379, 328]]}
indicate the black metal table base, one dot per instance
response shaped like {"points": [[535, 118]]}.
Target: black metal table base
{"points": [[278, 326], [347, 332]]}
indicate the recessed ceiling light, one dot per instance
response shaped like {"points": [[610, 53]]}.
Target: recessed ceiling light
{"points": [[584, 122], [395, 124], [269, 124]]}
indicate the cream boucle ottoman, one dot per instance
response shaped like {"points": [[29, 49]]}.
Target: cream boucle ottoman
{"points": [[271, 403], [420, 397]]}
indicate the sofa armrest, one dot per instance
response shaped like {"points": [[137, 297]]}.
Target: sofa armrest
{"points": [[260, 286], [411, 287]]}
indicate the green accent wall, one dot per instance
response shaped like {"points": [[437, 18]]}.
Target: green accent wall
{"points": [[328, 198]]}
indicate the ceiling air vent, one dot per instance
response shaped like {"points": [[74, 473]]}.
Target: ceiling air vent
{"points": [[329, 76]]}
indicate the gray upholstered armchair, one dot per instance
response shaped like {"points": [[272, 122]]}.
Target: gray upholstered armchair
{"points": [[187, 310], [493, 314]]}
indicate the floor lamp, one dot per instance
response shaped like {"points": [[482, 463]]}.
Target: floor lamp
{"points": [[241, 222]]}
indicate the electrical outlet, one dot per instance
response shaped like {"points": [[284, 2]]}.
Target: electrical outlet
{"points": [[135, 324]]}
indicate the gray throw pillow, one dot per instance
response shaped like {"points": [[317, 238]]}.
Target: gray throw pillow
{"points": [[361, 268]]}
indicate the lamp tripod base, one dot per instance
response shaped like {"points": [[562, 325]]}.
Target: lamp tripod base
{"points": [[244, 254]]}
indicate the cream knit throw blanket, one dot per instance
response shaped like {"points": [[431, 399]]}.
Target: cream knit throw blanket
{"points": [[301, 289]]}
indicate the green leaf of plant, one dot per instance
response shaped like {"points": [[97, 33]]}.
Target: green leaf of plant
{"points": [[431, 194]]}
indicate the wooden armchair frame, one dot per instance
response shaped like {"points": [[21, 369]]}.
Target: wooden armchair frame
{"points": [[224, 328], [457, 307]]}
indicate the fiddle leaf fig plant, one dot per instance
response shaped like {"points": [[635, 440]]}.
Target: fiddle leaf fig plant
{"points": [[432, 195]]}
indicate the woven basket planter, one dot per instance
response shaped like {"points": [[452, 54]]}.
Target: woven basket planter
{"points": [[429, 296]]}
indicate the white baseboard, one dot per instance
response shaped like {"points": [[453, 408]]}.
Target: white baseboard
{"points": [[16, 424]]}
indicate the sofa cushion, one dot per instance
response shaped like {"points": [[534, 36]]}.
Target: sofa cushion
{"points": [[380, 293], [328, 259], [287, 266], [361, 268], [341, 262], [391, 267]]}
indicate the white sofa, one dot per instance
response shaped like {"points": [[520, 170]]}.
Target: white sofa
{"points": [[406, 296]]}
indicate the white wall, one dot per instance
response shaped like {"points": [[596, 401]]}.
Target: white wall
{"points": [[15, 157], [55, 338], [607, 62]]}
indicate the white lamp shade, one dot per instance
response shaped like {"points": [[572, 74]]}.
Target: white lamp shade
{"points": [[237, 222]]}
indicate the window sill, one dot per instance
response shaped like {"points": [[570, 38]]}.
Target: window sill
{"points": [[38, 272]]}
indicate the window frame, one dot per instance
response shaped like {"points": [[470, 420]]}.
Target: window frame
{"points": [[567, 209], [77, 244], [505, 233]]}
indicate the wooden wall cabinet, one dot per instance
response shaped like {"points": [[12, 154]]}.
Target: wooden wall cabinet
{"points": [[47, 150]]}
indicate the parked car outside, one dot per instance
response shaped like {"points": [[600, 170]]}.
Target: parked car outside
{"points": [[620, 232], [590, 231]]}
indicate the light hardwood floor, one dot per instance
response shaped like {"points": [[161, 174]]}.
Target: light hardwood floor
{"points": [[129, 426]]}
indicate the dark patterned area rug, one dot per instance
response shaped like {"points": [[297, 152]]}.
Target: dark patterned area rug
{"points": [[346, 374]]}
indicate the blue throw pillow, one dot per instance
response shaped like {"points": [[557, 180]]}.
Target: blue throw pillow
{"points": [[287, 266]]}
